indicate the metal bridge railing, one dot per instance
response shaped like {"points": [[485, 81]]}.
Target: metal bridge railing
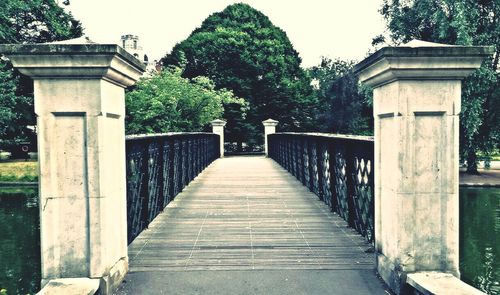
{"points": [[337, 168], [159, 166]]}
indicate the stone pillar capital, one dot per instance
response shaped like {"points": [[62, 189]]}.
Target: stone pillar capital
{"points": [[419, 60], [79, 61], [218, 122], [270, 122]]}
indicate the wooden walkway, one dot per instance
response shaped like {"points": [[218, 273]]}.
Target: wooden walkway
{"points": [[248, 213]]}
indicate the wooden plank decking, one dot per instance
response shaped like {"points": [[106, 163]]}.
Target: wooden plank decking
{"points": [[248, 213]]}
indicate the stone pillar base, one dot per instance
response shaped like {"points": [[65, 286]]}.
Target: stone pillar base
{"points": [[112, 281], [392, 275], [107, 283], [82, 286]]}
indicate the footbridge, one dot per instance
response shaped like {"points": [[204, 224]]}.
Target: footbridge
{"points": [[319, 214], [246, 225]]}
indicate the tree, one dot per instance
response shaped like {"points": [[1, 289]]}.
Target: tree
{"points": [[15, 110], [240, 49], [24, 21], [460, 22], [168, 102], [348, 104], [36, 21]]}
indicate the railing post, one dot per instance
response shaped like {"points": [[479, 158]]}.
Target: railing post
{"points": [[269, 128], [80, 106], [416, 101], [218, 128]]}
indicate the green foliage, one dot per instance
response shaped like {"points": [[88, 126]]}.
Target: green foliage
{"points": [[167, 102], [36, 21], [240, 49], [348, 103], [24, 21], [461, 22], [16, 110]]}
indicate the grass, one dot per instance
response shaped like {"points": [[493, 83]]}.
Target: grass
{"points": [[19, 171]]}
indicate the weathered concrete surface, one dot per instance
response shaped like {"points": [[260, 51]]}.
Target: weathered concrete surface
{"points": [[430, 283], [80, 286], [270, 282], [244, 226]]}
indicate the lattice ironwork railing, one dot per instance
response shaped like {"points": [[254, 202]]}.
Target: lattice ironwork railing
{"points": [[337, 168], [159, 166]]}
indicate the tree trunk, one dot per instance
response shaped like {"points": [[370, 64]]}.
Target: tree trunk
{"points": [[472, 162], [239, 146]]}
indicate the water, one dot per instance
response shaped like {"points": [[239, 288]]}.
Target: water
{"points": [[480, 238], [20, 239]]}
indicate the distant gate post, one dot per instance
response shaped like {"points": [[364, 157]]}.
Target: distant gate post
{"points": [[218, 128], [416, 102], [269, 128], [80, 108]]}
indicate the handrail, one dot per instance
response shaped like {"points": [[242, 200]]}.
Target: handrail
{"points": [[337, 168], [158, 135], [331, 135], [159, 166]]}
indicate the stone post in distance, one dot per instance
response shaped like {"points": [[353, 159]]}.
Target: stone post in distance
{"points": [[218, 128], [269, 128]]}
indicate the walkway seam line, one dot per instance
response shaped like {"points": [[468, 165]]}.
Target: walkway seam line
{"points": [[196, 242]]}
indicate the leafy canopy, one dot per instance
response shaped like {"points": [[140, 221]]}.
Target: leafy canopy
{"points": [[167, 102], [36, 21], [24, 21], [460, 22], [240, 49], [347, 105]]}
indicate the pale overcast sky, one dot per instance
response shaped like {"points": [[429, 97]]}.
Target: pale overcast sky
{"points": [[334, 28]]}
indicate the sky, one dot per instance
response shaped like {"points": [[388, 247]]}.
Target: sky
{"points": [[333, 28]]}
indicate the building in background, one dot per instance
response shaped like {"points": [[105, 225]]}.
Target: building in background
{"points": [[131, 43]]}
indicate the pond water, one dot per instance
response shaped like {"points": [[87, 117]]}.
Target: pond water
{"points": [[480, 238], [20, 239]]}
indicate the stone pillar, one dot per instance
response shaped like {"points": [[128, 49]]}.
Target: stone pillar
{"points": [[416, 102], [80, 108], [218, 128], [269, 128]]}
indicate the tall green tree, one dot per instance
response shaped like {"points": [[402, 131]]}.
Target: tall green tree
{"points": [[460, 22], [27, 21], [240, 49], [346, 104], [167, 102]]}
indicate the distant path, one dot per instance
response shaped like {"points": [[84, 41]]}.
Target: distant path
{"points": [[485, 178], [246, 226]]}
